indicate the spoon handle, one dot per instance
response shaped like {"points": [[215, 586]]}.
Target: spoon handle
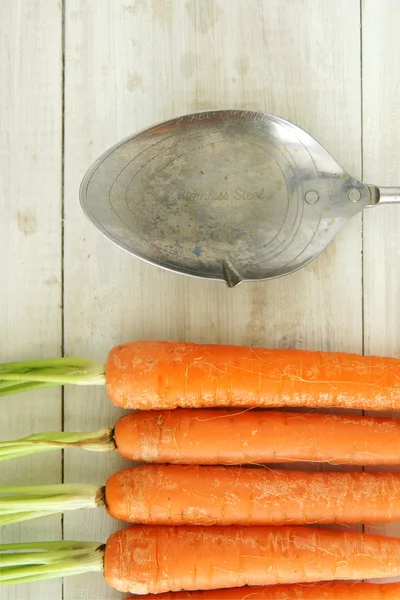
{"points": [[384, 195], [389, 194]]}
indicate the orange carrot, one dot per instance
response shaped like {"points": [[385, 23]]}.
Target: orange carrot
{"points": [[154, 375], [150, 559], [318, 591], [147, 559], [189, 436], [255, 436], [165, 375], [194, 495]]}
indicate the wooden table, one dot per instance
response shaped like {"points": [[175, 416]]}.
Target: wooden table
{"points": [[77, 76]]}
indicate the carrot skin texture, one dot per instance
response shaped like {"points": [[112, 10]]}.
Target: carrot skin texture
{"points": [[147, 559], [208, 437], [198, 495], [318, 591], [149, 375]]}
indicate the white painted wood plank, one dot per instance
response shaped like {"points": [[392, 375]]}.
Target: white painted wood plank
{"points": [[381, 152], [131, 64], [30, 244]]}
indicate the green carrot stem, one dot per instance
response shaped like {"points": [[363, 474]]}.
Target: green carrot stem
{"points": [[31, 375], [22, 563], [95, 441], [25, 503]]}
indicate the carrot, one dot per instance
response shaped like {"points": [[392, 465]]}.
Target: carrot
{"points": [[255, 436], [197, 558], [153, 375], [194, 495], [186, 436], [318, 591], [147, 559]]}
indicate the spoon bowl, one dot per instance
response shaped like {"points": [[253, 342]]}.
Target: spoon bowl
{"points": [[231, 195]]}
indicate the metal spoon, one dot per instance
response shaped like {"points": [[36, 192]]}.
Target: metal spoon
{"points": [[233, 195]]}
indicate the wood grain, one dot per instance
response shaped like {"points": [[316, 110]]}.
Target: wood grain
{"points": [[381, 157], [30, 244], [381, 150], [131, 64]]}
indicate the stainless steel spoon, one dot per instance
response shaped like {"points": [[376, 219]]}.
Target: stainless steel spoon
{"points": [[233, 195]]}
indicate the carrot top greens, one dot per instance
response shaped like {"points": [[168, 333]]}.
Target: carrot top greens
{"points": [[22, 563], [96, 441], [24, 503], [32, 375]]}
